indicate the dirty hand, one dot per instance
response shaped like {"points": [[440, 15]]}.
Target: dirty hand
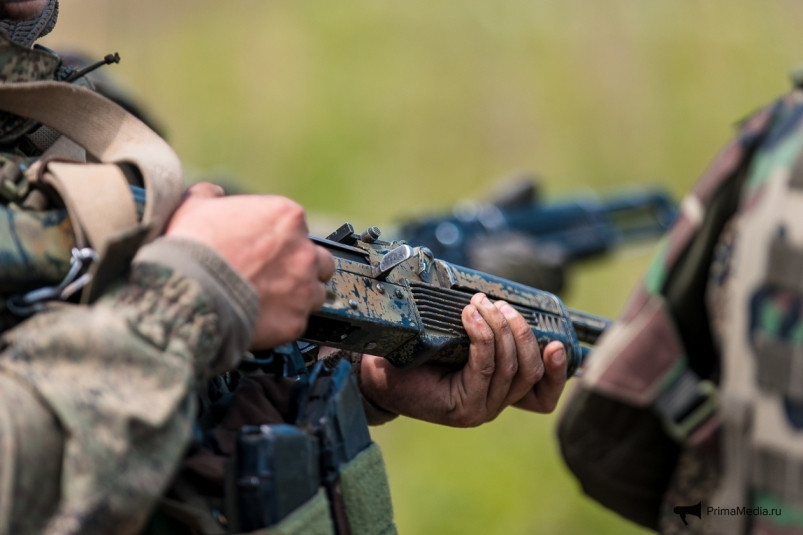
{"points": [[504, 368], [265, 239]]}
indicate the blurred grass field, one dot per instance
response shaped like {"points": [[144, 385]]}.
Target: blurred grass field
{"points": [[373, 111]]}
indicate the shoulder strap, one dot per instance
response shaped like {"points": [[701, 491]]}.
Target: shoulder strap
{"points": [[110, 135]]}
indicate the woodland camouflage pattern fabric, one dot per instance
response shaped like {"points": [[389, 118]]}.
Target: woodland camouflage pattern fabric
{"points": [[18, 64], [680, 322], [774, 342], [34, 246]]}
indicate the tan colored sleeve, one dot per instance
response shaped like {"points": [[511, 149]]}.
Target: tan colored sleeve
{"points": [[97, 402]]}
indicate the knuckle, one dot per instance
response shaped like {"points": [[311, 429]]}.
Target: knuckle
{"points": [[293, 212], [521, 330], [298, 214], [484, 337], [488, 369], [549, 406], [291, 207], [506, 331], [510, 369], [534, 372], [307, 254], [324, 256], [305, 262], [468, 419]]}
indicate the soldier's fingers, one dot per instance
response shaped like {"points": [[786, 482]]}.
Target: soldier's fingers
{"points": [[546, 393], [505, 357], [318, 297], [475, 377], [326, 264], [530, 366]]}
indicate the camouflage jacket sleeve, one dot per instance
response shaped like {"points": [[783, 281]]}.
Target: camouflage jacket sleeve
{"points": [[96, 404]]}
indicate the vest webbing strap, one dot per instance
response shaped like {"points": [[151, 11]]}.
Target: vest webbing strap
{"points": [[97, 198], [110, 135]]}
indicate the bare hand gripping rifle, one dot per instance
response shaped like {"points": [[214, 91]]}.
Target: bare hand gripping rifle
{"points": [[397, 301]]}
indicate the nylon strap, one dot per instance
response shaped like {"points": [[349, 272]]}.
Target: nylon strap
{"points": [[63, 148], [110, 135], [98, 200]]}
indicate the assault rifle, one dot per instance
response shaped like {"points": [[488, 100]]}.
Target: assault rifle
{"points": [[399, 302], [531, 241]]}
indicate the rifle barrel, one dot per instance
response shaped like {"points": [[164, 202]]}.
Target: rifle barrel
{"points": [[589, 327]]}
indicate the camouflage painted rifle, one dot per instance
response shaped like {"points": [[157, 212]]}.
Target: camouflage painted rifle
{"points": [[399, 302]]}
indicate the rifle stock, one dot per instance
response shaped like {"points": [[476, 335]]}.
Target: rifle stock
{"points": [[397, 301]]}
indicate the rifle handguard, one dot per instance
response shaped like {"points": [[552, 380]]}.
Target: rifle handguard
{"points": [[397, 301]]}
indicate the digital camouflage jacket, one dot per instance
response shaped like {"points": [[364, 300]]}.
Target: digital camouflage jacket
{"points": [[97, 401]]}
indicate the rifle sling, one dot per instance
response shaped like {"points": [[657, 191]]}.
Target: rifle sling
{"points": [[94, 194]]}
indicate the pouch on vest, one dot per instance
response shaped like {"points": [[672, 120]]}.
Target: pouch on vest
{"points": [[274, 471], [281, 455], [352, 469]]}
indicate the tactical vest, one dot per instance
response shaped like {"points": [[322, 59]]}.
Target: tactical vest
{"points": [[83, 184], [280, 448], [676, 428]]}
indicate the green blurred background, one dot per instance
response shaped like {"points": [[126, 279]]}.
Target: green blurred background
{"points": [[373, 111]]}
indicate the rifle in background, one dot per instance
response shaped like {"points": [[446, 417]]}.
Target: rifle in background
{"points": [[522, 238]]}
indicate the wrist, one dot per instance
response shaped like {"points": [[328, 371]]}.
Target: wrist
{"points": [[234, 300], [372, 380]]}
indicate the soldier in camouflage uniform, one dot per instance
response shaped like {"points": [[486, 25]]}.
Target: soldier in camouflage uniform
{"points": [[97, 400], [693, 403]]}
